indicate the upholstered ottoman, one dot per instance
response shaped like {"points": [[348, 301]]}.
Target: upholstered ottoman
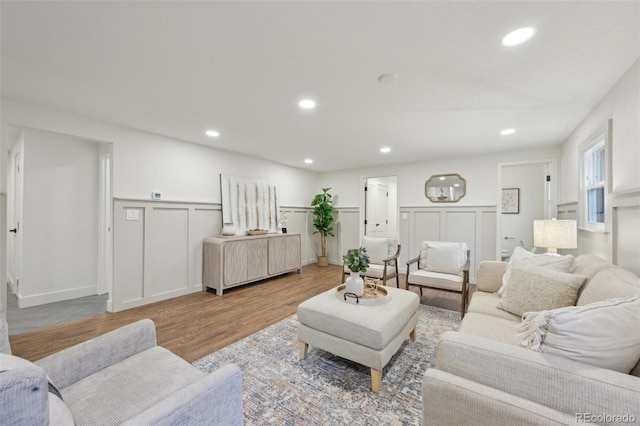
{"points": [[368, 335]]}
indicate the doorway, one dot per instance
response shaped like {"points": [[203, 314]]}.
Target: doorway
{"points": [[534, 183], [380, 206], [60, 188]]}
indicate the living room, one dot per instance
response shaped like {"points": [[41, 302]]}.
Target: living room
{"points": [[595, 91]]}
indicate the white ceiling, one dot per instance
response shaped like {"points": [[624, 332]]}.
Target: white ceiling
{"points": [[180, 68]]}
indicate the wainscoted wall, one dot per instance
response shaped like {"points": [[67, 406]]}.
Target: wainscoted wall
{"points": [[620, 245], [475, 226], [158, 249]]}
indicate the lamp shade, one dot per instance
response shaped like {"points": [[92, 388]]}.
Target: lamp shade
{"points": [[555, 234]]}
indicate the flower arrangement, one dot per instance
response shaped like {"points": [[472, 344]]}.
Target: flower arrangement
{"points": [[357, 260]]}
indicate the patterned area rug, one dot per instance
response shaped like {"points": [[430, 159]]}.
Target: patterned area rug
{"points": [[324, 389]]}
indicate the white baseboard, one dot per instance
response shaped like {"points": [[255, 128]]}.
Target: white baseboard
{"points": [[56, 296]]}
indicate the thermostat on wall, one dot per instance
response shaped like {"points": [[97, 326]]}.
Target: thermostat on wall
{"points": [[156, 195]]}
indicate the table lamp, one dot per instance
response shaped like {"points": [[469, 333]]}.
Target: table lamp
{"points": [[554, 234]]}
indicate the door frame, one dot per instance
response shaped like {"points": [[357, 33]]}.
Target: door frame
{"points": [[551, 206]]}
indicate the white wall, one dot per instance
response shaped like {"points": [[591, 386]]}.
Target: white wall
{"points": [[622, 105], [60, 218], [529, 178], [143, 162], [479, 172]]}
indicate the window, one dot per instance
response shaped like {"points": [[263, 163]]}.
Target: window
{"points": [[593, 184]]}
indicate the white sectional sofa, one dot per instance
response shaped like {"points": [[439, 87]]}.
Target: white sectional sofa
{"points": [[484, 376]]}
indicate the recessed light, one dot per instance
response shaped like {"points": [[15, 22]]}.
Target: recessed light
{"points": [[442, 178], [213, 133], [308, 161], [307, 104], [385, 149], [456, 185], [506, 132], [518, 36]]}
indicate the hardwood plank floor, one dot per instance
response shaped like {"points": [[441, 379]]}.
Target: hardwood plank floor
{"points": [[198, 324]]}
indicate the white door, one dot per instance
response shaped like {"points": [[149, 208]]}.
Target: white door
{"points": [[15, 231], [370, 209], [382, 210]]}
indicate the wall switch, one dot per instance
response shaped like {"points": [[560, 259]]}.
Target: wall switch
{"points": [[156, 195], [133, 214]]}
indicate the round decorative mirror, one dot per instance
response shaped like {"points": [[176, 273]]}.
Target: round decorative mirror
{"points": [[446, 188]]}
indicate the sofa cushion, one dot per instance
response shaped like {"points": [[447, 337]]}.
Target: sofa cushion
{"points": [[443, 257], [59, 413], [486, 303], [603, 334], [122, 390], [589, 265], [532, 288], [609, 283], [522, 257], [490, 327]]}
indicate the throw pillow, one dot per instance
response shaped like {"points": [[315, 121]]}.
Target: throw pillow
{"points": [[603, 334], [59, 413], [377, 249], [532, 288], [445, 257], [521, 257]]}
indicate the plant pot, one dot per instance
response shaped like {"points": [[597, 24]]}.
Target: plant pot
{"points": [[323, 260], [355, 284]]}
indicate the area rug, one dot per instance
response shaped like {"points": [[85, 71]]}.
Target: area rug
{"points": [[323, 389]]}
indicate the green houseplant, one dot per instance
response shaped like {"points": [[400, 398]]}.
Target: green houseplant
{"points": [[357, 260], [323, 222]]}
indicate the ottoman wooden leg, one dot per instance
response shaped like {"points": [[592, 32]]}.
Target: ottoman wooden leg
{"points": [[302, 346], [376, 379], [413, 335]]}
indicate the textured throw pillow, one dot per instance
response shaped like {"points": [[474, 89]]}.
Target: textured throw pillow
{"points": [[532, 288], [377, 249], [604, 334], [522, 257], [59, 413], [445, 257]]}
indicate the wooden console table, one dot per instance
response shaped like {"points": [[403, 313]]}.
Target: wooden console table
{"points": [[237, 260]]}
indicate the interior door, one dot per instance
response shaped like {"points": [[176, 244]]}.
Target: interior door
{"points": [[382, 210], [15, 232], [370, 208]]}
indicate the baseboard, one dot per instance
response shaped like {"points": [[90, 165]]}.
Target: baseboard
{"points": [[56, 296]]}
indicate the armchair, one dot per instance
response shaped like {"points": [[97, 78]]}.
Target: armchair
{"points": [[442, 266], [383, 259], [121, 377]]}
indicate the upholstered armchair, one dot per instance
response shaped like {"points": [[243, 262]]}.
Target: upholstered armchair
{"points": [[383, 259], [442, 266], [121, 377]]}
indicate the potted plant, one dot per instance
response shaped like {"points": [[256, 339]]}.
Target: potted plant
{"points": [[357, 260], [323, 222]]}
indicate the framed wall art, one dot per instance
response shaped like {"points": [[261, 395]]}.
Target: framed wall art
{"points": [[511, 200]]}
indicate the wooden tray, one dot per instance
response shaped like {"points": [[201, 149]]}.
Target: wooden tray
{"points": [[381, 296], [259, 232]]}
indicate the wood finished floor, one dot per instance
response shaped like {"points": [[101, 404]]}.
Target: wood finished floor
{"points": [[198, 324]]}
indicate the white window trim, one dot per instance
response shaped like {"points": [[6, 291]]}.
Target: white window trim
{"points": [[603, 133]]}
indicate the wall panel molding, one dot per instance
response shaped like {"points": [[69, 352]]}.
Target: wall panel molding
{"points": [[158, 249]]}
